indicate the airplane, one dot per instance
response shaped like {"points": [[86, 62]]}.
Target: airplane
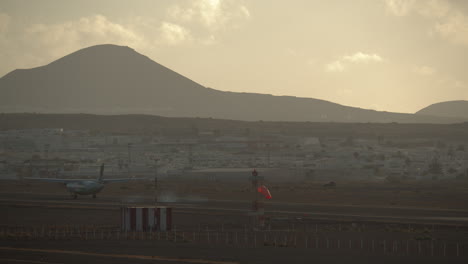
{"points": [[83, 186]]}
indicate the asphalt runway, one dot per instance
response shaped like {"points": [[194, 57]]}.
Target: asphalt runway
{"points": [[103, 252], [274, 209]]}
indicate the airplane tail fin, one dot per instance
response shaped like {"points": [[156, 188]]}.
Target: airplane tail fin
{"points": [[101, 173]]}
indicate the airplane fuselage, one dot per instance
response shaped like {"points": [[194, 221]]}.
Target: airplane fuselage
{"points": [[85, 187]]}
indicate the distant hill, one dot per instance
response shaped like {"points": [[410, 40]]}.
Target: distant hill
{"points": [[447, 109], [110, 79], [183, 127]]}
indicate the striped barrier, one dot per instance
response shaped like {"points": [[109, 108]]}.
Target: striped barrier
{"points": [[146, 218]]}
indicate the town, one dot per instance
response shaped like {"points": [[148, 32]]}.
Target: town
{"points": [[189, 153]]}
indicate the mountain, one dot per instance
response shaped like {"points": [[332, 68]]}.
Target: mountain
{"points": [[110, 79], [447, 109]]}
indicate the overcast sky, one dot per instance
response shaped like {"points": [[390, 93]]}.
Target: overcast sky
{"points": [[392, 55]]}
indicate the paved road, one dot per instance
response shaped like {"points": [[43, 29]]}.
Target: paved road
{"points": [[303, 210]]}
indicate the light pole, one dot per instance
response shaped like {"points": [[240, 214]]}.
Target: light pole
{"points": [[257, 206]]}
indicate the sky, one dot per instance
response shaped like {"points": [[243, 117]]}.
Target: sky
{"points": [[387, 55]]}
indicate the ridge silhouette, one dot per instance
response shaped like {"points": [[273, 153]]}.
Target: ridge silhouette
{"points": [[111, 79]]}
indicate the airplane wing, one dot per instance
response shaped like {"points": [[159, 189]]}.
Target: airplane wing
{"points": [[123, 180], [78, 180], [54, 180]]}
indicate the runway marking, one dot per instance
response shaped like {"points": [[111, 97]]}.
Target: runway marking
{"points": [[84, 203], [209, 210], [118, 197], [217, 211], [61, 206], [27, 261], [141, 257]]}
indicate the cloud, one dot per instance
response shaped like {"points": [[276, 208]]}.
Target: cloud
{"points": [[424, 70], [433, 8], [64, 37], [454, 28], [244, 11], [341, 64], [206, 19], [212, 15], [447, 21], [426, 8], [360, 57], [181, 14], [174, 34], [210, 12], [335, 66], [399, 7]]}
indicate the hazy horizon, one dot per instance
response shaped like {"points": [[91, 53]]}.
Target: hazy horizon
{"points": [[392, 55]]}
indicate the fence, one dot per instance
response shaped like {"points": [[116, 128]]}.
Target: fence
{"points": [[242, 239]]}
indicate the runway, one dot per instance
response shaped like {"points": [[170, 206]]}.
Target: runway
{"points": [[303, 211]]}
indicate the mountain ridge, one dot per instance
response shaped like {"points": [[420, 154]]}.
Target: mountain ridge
{"points": [[456, 108], [111, 79]]}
